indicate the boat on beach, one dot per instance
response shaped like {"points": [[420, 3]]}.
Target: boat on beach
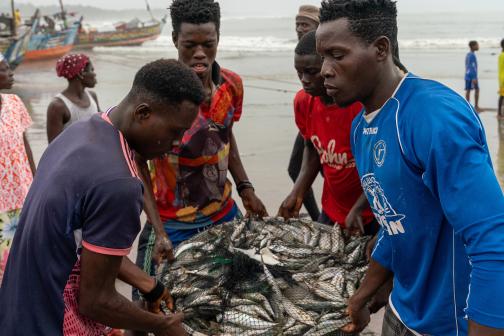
{"points": [[15, 37], [52, 40], [133, 33]]}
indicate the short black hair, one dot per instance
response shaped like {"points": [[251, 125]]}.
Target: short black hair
{"points": [[473, 43], [169, 82], [368, 19], [502, 43], [195, 12], [307, 45]]}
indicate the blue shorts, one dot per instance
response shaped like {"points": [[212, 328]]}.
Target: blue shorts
{"points": [[469, 85]]}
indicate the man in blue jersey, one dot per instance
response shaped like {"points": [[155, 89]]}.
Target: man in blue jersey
{"points": [[424, 165], [471, 74]]}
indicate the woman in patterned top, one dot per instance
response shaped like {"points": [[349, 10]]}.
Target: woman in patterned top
{"points": [[16, 161]]}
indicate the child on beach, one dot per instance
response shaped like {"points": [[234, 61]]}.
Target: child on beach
{"points": [[75, 103], [16, 161], [471, 74]]}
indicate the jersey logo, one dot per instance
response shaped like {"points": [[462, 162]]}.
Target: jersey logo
{"points": [[370, 131], [385, 214], [329, 155], [379, 152]]}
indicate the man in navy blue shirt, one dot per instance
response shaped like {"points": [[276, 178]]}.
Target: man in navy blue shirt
{"points": [[82, 215], [471, 74], [425, 168]]}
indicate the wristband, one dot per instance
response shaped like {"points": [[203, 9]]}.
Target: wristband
{"points": [[243, 185], [155, 293]]}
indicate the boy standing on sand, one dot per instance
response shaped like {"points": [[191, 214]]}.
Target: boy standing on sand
{"points": [[471, 74]]}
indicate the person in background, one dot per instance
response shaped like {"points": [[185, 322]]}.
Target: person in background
{"points": [[17, 17], [76, 102], [501, 81], [422, 156], [307, 20], [82, 215], [471, 75], [17, 166]]}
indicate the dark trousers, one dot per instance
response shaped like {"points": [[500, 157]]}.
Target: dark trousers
{"points": [[294, 169]]}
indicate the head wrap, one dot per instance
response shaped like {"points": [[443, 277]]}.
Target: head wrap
{"points": [[310, 12], [70, 66]]}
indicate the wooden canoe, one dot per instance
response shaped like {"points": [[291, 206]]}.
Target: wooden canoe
{"points": [[120, 37], [51, 45]]}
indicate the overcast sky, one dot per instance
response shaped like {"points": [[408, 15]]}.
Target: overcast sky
{"points": [[288, 7]]}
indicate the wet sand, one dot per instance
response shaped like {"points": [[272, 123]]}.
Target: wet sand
{"points": [[266, 132]]}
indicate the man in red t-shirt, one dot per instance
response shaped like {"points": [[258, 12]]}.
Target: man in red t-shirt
{"points": [[326, 130]]}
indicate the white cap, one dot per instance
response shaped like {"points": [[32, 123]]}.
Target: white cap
{"points": [[1, 57]]}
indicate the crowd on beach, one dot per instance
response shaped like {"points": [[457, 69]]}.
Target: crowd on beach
{"points": [[404, 159]]}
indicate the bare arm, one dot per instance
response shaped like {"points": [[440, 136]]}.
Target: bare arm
{"points": [[99, 300], [29, 154], [134, 276], [476, 329], [57, 116], [163, 247], [310, 168], [376, 277], [353, 221], [251, 202]]}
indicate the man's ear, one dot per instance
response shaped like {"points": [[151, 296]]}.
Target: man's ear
{"points": [[174, 36], [383, 48], [142, 112]]}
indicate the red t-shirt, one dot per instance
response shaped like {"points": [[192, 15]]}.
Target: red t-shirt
{"points": [[329, 128]]}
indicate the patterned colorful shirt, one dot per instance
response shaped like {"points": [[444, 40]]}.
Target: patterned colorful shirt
{"points": [[15, 172], [190, 184]]}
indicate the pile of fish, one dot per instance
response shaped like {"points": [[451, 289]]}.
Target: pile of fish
{"points": [[266, 277]]}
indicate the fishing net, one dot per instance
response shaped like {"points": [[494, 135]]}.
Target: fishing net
{"points": [[266, 277]]}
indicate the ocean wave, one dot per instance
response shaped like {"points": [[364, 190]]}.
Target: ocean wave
{"points": [[447, 43], [261, 44]]}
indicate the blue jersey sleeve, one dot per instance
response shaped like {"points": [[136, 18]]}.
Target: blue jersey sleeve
{"points": [[447, 142]]}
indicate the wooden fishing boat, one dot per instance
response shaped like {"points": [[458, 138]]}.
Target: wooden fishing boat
{"points": [[52, 42], [125, 34], [14, 38]]}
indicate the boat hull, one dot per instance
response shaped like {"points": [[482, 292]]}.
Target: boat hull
{"points": [[43, 54], [130, 37], [45, 46]]}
